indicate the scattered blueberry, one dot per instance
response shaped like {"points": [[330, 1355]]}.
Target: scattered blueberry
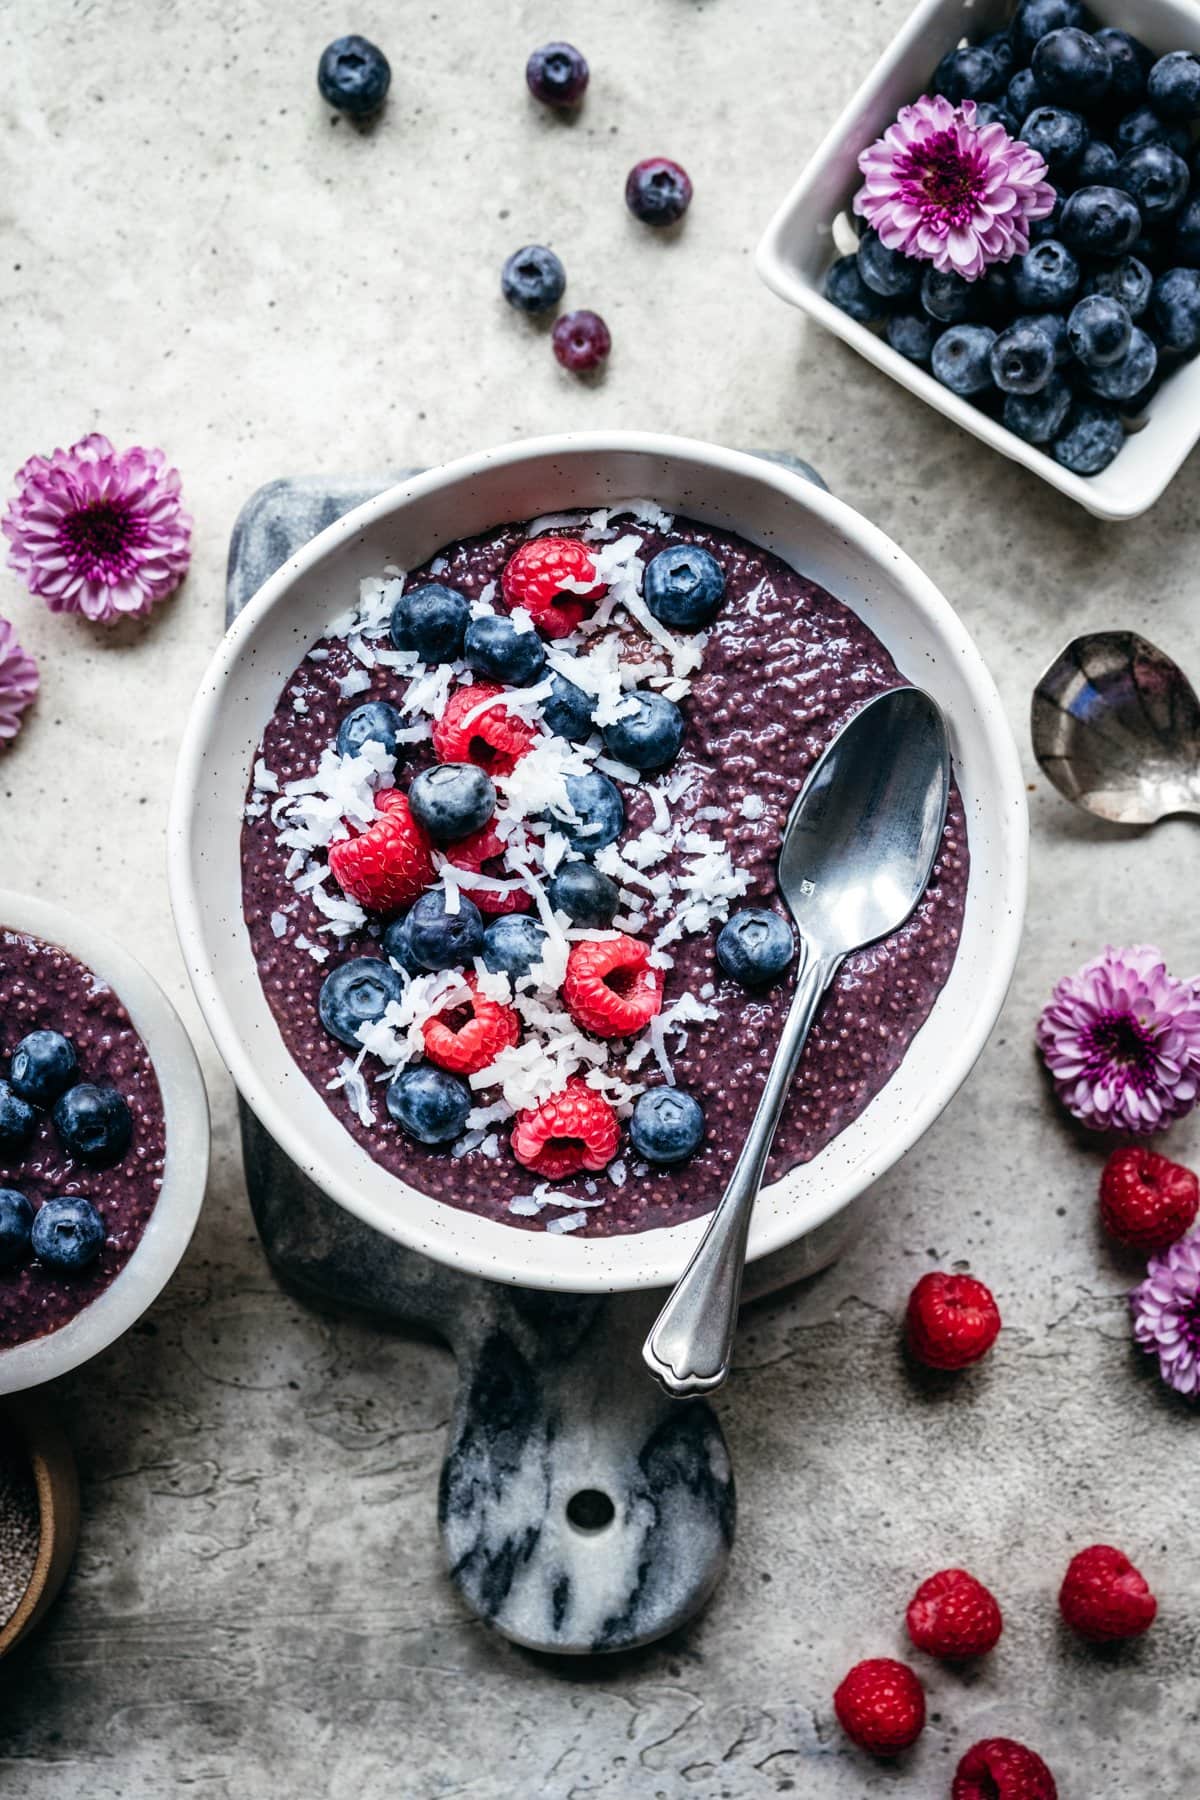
{"points": [[17, 1119], [1022, 95], [585, 895], [533, 279], [968, 73], [431, 620], [1143, 126], [1038, 417], [493, 646], [568, 711], [1091, 440], [1034, 18], [946, 296], [1000, 45], [93, 1123], [888, 273], [1187, 234], [1176, 310], [44, 1065], [658, 191], [1127, 280], [1096, 167], [1173, 85], [373, 722], [444, 940], [962, 358], [354, 76], [1058, 135], [667, 1125], [397, 947], [67, 1233], [1022, 358], [1099, 330], [1055, 327], [1129, 61], [1157, 178], [429, 1104], [451, 800], [357, 993], [557, 75], [650, 737], [684, 586], [845, 287], [581, 341], [1071, 66], [1127, 375], [16, 1217], [1046, 277], [1098, 221], [601, 812], [755, 947], [513, 943], [912, 334]]}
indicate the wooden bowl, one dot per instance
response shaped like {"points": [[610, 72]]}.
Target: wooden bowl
{"points": [[57, 1482]]}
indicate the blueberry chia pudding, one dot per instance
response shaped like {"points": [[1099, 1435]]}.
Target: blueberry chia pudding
{"points": [[508, 869], [82, 1137]]}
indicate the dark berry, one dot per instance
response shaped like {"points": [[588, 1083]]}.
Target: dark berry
{"points": [[375, 722], [354, 75], [1022, 95], [67, 1233], [1022, 358], [601, 812], [667, 1125], [1000, 45], [755, 947], [684, 586], [1143, 126], [987, 112], [357, 993], [1099, 331], [1126, 280], [1173, 85], [451, 800], [568, 711], [1058, 135], [1038, 417], [1176, 310], [1092, 438], [533, 279], [17, 1119], [962, 358], [1099, 221], [16, 1217], [513, 943], [912, 334], [493, 646], [397, 947], [441, 939], [1072, 67], [845, 287], [1046, 277], [557, 75], [1034, 18], [1186, 247], [94, 1124], [429, 1104], [1055, 326], [648, 737], [969, 73], [1129, 61], [946, 296], [1156, 177], [586, 896], [431, 620], [581, 341], [1128, 374], [1097, 166], [44, 1065], [887, 272], [658, 191]]}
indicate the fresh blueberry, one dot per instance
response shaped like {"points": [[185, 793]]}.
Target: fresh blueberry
{"points": [[44, 1065], [650, 737], [94, 1124], [1000, 45], [1099, 221], [1058, 135], [431, 620], [667, 1125], [962, 358], [581, 341], [16, 1217], [1055, 327], [755, 947], [67, 1233], [969, 73], [1097, 166], [1173, 85], [1070, 66], [442, 939], [354, 75], [1046, 277], [513, 943], [397, 947], [1099, 330], [1091, 440], [533, 279], [429, 1104], [1035, 18], [17, 1119], [845, 287], [684, 586], [1038, 417], [357, 993], [601, 811], [1127, 280], [1186, 248], [585, 895], [658, 191], [1127, 375], [1022, 95], [1143, 126], [493, 646], [1176, 310], [452, 800], [912, 335], [988, 112], [1129, 61], [557, 75], [568, 711], [1157, 178], [888, 273], [946, 297], [1022, 358], [373, 722]]}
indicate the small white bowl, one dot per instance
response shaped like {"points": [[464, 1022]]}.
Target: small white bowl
{"points": [[814, 532], [798, 247], [185, 1108]]}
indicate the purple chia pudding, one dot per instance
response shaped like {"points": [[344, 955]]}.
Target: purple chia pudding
{"points": [[783, 666], [42, 988]]}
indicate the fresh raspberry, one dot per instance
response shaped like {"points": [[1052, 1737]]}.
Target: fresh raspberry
{"points": [[483, 853], [1002, 1769], [495, 741], [467, 1037], [952, 1321], [535, 577], [881, 1706], [611, 987], [952, 1615], [575, 1129], [388, 864], [1103, 1597], [1146, 1202]]}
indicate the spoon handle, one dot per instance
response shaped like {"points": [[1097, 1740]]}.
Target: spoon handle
{"points": [[689, 1348]]}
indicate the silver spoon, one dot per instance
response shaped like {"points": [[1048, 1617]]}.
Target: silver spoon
{"points": [[1116, 728], [856, 856]]}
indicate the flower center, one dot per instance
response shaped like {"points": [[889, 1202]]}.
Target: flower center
{"points": [[1119, 1043], [1189, 1322], [943, 180], [101, 537]]}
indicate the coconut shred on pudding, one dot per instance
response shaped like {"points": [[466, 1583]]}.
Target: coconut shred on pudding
{"points": [[509, 869]]}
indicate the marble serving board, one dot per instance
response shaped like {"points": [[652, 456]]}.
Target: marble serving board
{"points": [[581, 1511]]}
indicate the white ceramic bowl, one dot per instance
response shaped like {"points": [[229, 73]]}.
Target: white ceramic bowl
{"points": [[818, 535], [798, 247], [185, 1108]]}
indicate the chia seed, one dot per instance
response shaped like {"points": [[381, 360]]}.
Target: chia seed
{"points": [[19, 1529]]}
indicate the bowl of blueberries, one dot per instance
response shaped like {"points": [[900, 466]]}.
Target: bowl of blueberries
{"points": [[1006, 219]]}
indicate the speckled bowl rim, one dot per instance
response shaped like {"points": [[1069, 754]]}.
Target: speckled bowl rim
{"points": [[240, 689], [185, 1174]]}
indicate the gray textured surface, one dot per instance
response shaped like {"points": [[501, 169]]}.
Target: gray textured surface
{"points": [[258, 1606]]}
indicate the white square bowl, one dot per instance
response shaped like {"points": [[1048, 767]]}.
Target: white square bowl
{"points": [[798, 246]]}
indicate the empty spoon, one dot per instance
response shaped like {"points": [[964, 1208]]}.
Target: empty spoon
{"points": [[1116, 728], [856, 857]]}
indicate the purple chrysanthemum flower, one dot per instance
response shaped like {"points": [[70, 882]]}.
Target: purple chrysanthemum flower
{"points": [[99, 532], [1122, 1040], [944, 189], [1166, 1314], [18, 681]]}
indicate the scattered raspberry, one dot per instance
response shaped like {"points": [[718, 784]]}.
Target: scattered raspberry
{"points": [[881, 1706], [465, 1038], [387, 865], [1002, 1769], [483, 853], [1146, 1202], [495, 741], [576, 1129], [611, 987], [952, 1615], [952, 1321], [1104, 1598], [554, 579]]}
